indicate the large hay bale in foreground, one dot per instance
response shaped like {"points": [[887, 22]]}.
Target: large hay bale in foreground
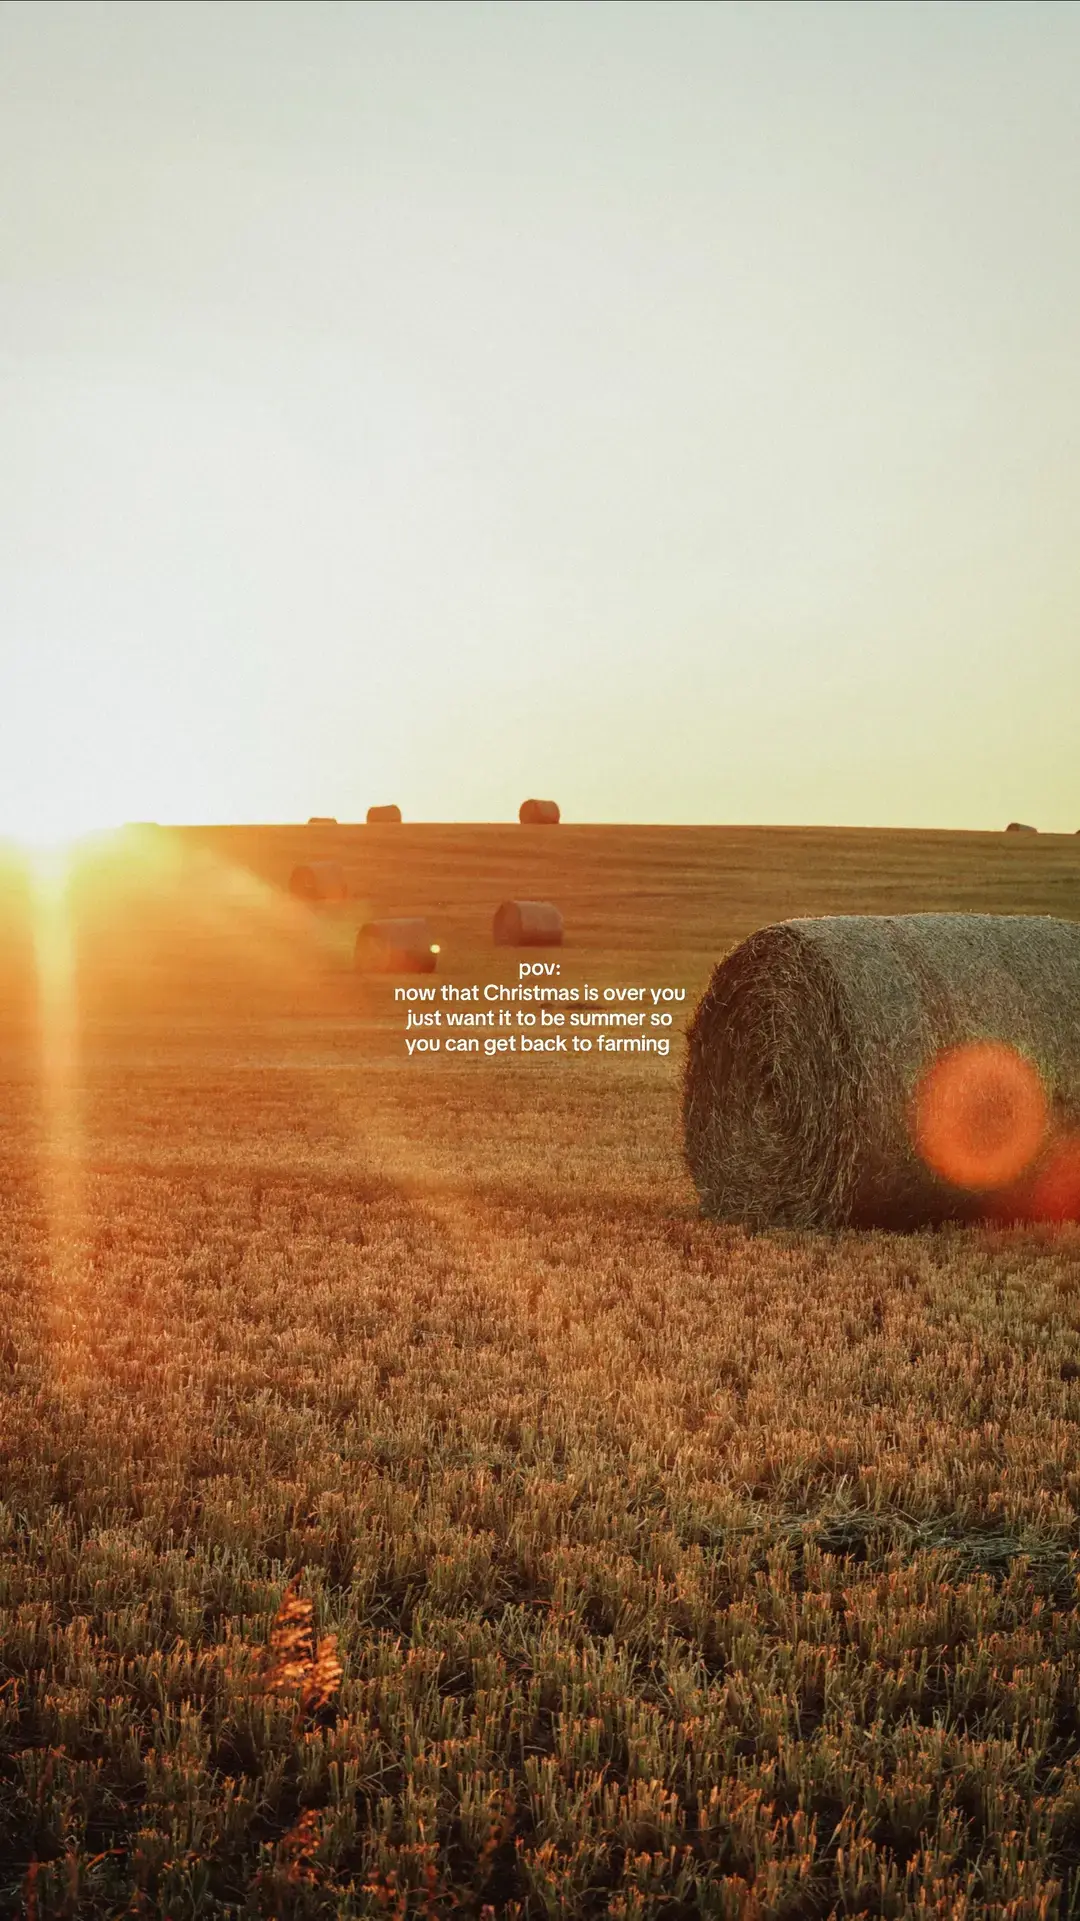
{"points": [[381, 816], [395, 947], [319, 880], [539, 813], [527, 923], [889, 1071], [1020, 827]]}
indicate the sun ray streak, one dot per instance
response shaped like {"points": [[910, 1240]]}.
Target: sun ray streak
{"points": [[61, 1134]]}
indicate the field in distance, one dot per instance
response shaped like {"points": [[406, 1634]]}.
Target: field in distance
{"points": [[673, 1571]]}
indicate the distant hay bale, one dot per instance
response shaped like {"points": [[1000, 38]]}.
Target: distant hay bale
{"points": [[889, 1071], [527, 923], [319, 880], [1020, 827], [322, 820], [538, 813], [379, 816], [395, 947]]}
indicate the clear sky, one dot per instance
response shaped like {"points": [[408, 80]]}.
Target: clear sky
{"points": [[673, 409]]}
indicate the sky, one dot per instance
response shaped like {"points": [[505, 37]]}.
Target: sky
{"points": [[672, 409]]}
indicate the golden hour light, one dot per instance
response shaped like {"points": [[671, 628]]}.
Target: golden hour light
{"points": [[980, 1115], [49, 873], [55, 820], [536, 1377], [158, 918]]}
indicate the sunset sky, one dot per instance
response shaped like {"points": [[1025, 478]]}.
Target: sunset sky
{"points": [[674, 409]]}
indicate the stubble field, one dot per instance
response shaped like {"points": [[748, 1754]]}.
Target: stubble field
{"points": [[632, 1565]]}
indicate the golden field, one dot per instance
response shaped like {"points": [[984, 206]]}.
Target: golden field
{"points": [[671, 1571]]}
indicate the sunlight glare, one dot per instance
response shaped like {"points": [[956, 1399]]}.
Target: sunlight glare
{"points": [[50, 868]]}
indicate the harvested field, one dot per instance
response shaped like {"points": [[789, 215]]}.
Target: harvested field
{"points": [[319, 880], [673, 1571]]}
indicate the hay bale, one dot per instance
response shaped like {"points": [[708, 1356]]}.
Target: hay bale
{"points": [[322, 820], [527, 923], [380, 816], [319, 880], [539, 813], [395, 947], [1020, 827], [888, 1071]]}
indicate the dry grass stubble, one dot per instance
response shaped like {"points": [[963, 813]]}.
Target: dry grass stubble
{"points": [[672, 1571]]}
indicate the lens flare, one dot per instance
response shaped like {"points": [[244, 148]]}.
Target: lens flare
{"points": [[49, 871], [980, 1115], [1055, 1194]]}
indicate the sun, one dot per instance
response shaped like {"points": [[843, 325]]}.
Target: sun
{"points": [[50, 841], [55, 804], [53, 833]]}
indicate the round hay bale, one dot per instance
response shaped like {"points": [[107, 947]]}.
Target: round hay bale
{"points": [[380, 816], [527, 923], [539, 813], [318, 880], [395, 947], [1020, 827], [888, 1071], [322, 820]]}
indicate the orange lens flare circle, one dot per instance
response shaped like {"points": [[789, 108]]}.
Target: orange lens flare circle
{"points": [[980, 1115]]}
